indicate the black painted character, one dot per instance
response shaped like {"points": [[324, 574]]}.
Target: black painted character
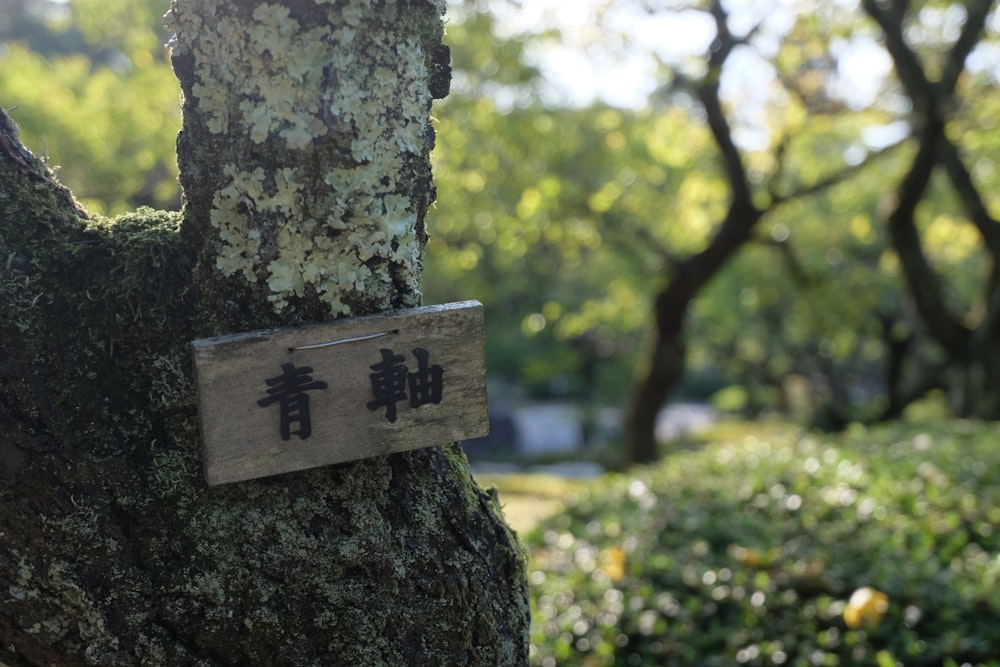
{"points": [[392, 378], [426, 383], [288, 390], [388, 383]]}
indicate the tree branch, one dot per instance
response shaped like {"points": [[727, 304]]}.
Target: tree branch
{"points": [[834, 179], [708, 93], [800, 276], [909, 68], [972, 201], [931, 103], [972, 29], [977, 12], [924, 283], [30, 165]]}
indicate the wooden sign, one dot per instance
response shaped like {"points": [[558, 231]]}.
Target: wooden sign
{"points": [[275, 401]]}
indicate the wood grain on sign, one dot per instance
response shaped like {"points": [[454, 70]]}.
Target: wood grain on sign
{"points": [[280, 400]]}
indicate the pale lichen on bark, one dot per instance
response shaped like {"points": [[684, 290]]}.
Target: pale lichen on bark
{"points": [[337, 93]]}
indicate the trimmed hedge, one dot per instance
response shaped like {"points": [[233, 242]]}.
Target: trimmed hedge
{"points": [[747, 554]]}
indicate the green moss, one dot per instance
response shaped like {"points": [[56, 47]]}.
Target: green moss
{"points": [[132, 558], [315, 563]]}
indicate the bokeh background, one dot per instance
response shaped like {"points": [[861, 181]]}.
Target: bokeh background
{"points": [[751, 245]]}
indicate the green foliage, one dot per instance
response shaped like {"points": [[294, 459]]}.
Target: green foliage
{"points": [[746, 552], [553, 217], [129, 28], [96, 96], [519, 225], [564, 221]]}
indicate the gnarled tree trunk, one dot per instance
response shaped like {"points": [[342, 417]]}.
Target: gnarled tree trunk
{"points": [[969, 338], [304, 161], [665, 364]]}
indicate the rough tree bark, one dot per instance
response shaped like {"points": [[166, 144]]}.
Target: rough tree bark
{"points": [[304, 161]]}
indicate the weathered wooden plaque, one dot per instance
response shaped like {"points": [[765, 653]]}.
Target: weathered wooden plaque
{"points": [[281, 400]]}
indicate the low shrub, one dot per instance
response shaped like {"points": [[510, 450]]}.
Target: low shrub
{"points": [[747, 553]]}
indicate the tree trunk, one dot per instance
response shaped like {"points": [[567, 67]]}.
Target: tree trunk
{"points": [[664, 371], [665, 366], [304, 161]]}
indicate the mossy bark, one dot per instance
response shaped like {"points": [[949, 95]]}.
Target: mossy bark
{"points": [[113, 551]]}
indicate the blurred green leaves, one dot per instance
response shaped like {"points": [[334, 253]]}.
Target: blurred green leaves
{"points": [[565, 221], [747, 552], [95, 95]]}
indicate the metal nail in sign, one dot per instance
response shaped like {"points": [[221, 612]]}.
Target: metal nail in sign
{"points": [[280, 400]]}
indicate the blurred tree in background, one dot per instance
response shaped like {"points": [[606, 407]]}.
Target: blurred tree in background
{"points": [[800, 215], [948, 186], [814, 121], [88, 83]]}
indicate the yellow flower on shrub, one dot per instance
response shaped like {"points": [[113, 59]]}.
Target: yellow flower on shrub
{"points": [[754, 558], [866, 607], [613, 563]]}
